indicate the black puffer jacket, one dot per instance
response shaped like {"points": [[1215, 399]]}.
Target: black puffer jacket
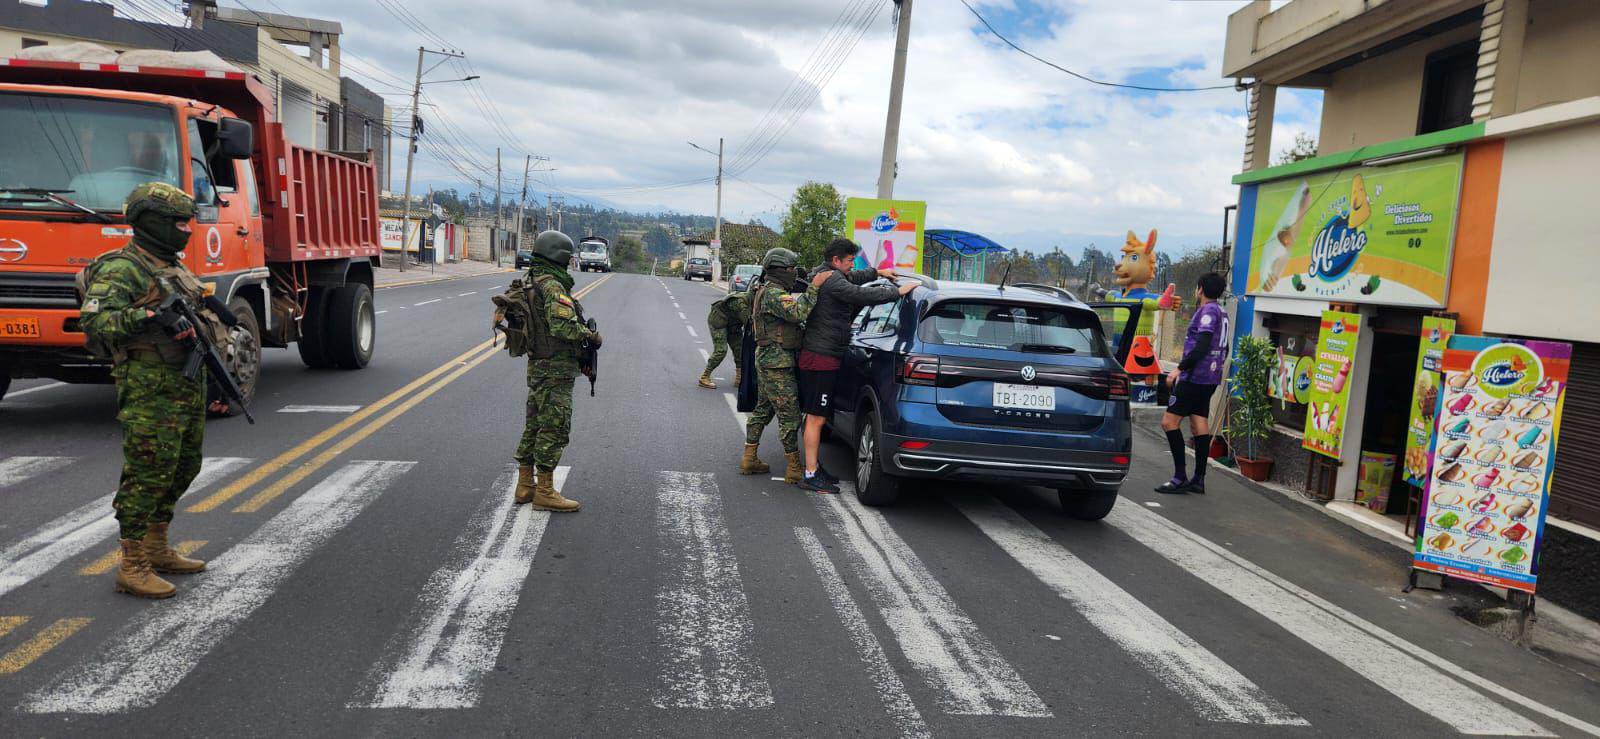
{"points": [[828, 328]]}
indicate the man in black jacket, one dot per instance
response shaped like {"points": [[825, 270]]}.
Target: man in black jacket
{"points": [[827, 334]]}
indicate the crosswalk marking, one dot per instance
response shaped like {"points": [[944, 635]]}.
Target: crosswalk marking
{"points": [[1217, 691], [891, 690], [14, 470], [109, 560], [453, 636], [936, 636], [1401, 668], [70, 535], [42, 642], [160, 646], [703, 618]]}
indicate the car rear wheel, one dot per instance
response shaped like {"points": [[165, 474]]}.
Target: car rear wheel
{"points": [[874, 486], [1086, 505]]}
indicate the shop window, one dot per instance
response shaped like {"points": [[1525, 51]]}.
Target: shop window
{"points": [[1293, 343], [1447, 80]]}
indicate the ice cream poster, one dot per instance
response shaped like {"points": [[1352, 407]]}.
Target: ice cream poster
{"points": [[1496, 425], [1379, 235], [1330, 382], [889, 232], [1436, 333]]}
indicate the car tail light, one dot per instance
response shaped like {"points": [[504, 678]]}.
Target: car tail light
{"points": [[1115, 385], [1120, 459], [918, 370], [913, 445]]}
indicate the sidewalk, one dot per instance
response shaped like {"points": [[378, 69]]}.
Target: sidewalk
{"points": [[417, 274]]}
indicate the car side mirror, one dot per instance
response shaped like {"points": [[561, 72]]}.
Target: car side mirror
{"points": [[235, 138]]}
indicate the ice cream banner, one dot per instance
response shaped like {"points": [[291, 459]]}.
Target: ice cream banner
{"points": [[1378, 235], [889, 232], [1436, 333], [1330, 382], [1494, 445], [1292, 383]]}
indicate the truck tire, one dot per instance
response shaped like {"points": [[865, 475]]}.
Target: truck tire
{"points": [[5, 382], [245, 360], [313, 330], [352, 326]]}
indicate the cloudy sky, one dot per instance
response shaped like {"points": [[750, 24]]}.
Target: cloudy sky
{"points": [[611, 91]]}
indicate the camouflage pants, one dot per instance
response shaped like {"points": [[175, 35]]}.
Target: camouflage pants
{"points": [[779, 397], [163, 417], [720, 339], [549, 421]]}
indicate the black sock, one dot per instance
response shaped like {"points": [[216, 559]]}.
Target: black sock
{"points": [[1202, 452], [1175, 440]]}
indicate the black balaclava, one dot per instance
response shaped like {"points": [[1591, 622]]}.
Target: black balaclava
{"points": [[158, 233]]}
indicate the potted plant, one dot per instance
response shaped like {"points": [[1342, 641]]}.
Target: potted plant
{"points": [[1250, 424]]}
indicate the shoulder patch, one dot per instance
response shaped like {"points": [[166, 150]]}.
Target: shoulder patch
{"points": [[93, 306], [788, 298], [564, 299]]}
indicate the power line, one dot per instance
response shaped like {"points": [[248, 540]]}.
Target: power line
{"points": [[1060, 68]]}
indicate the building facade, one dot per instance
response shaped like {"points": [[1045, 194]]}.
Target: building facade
{"points": [[1463, 135]]}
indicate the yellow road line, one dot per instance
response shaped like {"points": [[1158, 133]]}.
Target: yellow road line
{"points": [[41, 642], [109, 562], [10, 623], [300, 473]]}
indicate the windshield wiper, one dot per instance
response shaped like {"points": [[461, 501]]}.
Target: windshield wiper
{"points": [[56, 196], [1054, 348]]}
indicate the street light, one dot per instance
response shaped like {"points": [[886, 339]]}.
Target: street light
{"points": [[716, 238]]}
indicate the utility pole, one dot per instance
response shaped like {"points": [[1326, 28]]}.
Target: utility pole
{"points": [[897, 84], [522, 204], [716, 254], [411, 144], [497, 236]]}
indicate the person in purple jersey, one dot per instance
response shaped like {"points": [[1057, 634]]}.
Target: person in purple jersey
{"points": [[1205, 354]]}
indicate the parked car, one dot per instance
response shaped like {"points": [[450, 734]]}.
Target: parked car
{"points": [[743, 277], [697, 267], [524, 259], [976, 382], [594, 253]]}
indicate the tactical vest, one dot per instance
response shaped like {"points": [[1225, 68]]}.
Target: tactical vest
{"points": [[164, 280], [771, 332], [725, 312], [541, 343]]}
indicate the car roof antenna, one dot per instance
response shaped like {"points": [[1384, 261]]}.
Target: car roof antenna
{"points": [[1006, 275]]}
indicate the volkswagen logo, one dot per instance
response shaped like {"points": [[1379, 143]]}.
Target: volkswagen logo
{"points": [[12, 250], [1028, 373]]}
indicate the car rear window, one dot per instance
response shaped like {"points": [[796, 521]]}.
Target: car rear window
{"points": [[699, 261], [1013, 327]]}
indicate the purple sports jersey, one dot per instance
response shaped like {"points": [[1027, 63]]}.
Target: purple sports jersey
{"points": [[1210, 318]]}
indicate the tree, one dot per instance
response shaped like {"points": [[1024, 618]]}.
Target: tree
{"points": [[659, 243], [1304, 147], [628, 255], [815, 217], [744, 244]]}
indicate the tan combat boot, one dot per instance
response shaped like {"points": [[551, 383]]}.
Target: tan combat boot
{"points": [[796, 471], [547, 498], [526, 479], [750, 464], [134, 576], [705, 381], [162, 558]]}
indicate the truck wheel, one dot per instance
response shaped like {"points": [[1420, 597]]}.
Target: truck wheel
{"points": [[352, 326], [245, 359], [313, 331], [5, 382]]}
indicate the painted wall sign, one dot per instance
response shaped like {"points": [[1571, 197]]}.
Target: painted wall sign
{"points": [[1379, 235], [889, 232], [1436, 333], [1330, 382]]}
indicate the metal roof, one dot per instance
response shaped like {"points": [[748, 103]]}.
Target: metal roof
{"points": [[965, 243]]}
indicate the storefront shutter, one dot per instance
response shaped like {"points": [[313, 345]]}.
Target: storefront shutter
{"points": [[1575, 491]]}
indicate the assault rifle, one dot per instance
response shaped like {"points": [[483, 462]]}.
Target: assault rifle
{"points": [[589, 362], [173, 313]]}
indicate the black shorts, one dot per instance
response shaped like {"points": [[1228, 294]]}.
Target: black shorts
{"points": [[1189, 399], [816, 391]]}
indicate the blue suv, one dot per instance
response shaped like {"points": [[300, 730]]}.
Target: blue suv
{"points": [[986, 383]]}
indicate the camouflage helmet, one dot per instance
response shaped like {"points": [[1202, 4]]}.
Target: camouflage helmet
{"points": [[554, 246], [779, 258], [159, 198]]}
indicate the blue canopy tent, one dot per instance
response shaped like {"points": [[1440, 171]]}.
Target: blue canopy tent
{"points": [[948, 254]]}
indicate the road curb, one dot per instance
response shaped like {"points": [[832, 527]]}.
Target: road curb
{"points": [[446, 278]]}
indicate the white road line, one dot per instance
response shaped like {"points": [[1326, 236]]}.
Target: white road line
{"points": [[426, 302], [958, 662], [691, 330], [25, 391], [702, 617], [381, 312], [743, 419], [1215, 690], [319, 409], [69, 535], [462, 295], [160, 646], [682, 317], [1418, 677], [891, 690], [14, 470], [675, 304], [453, 636], [705, 355]]}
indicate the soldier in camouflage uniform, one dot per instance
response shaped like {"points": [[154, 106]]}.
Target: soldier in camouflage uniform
{"points": [[776, 315], [556, 341], [727, 319], [161, 411]]}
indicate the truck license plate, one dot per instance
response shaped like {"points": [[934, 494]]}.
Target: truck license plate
{"points": [[1024, 397], [20, 328]]}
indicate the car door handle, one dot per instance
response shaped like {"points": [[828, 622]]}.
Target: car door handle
{"points": [[243, 231]]}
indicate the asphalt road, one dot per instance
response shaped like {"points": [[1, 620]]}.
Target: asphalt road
{"points": [[368, 577]]}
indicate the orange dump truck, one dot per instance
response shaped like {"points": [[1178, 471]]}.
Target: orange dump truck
{"points": [[286, 236]]}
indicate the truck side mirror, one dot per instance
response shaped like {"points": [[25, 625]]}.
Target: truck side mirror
{"points": [[236, 138]]}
